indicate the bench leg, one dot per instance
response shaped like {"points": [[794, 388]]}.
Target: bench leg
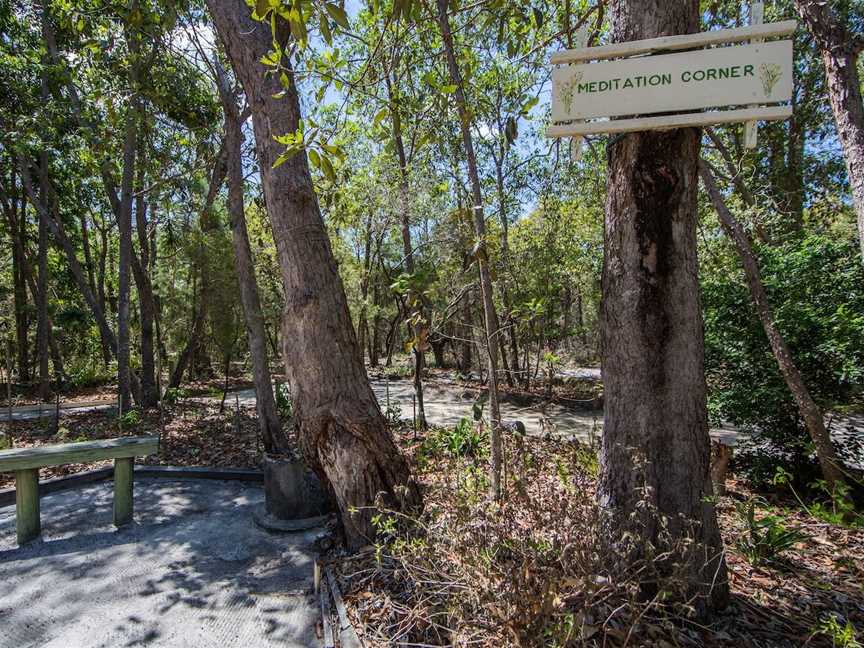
{"points": [[123, 491], [27, 505]]}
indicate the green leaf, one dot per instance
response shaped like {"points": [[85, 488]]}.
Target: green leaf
{"points": [[262, 7], [538, 17], [338, 14], [448, 89], [325, 29], [314, 158], [379, 116], [327, 168]]}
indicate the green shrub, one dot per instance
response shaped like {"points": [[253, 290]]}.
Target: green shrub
{"points": [[841, 635], [174, 395], [816, 287], [130, 418], [765, 538]]}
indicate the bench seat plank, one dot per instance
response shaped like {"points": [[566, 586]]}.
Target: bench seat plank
{"points": [[82, 452]]}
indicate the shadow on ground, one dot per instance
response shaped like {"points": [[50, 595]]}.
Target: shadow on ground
{"points": [[193, 570]]}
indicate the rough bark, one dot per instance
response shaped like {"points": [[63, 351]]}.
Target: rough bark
{"points": [[807, 407], [655, 455], [490, 316], [340, 427], [840, 51], [275, 440]]}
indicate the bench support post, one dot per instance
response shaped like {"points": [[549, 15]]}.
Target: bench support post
{"points": [[123, 490], [27, 505]]}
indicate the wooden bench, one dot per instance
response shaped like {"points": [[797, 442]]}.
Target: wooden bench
{"points": [[26, 462]]}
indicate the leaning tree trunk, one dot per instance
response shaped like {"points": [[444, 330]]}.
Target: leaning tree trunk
{"points": [[840, 51], [275, 440], [342, 432], [490, 316], [655, 450], [807, 407]]}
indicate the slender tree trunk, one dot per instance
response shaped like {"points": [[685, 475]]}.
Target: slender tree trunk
{"points": [[375, 339], [42, 278], [22, 319], [655, 447], [840, 51], [342, 433], [419, 329], [107, 351], [146, 303], [363, 324], [275, 440], [68, 248], [807, 407], [512, 371], [124, 264], [490, 317]]}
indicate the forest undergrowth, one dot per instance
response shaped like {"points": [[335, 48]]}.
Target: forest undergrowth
{"points": [[535, 570]]}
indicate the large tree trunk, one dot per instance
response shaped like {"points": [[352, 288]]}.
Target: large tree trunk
{"points": [[490, 317], [342, 432], [655, 447], [807, 407], [275, 440], [840, 50]]}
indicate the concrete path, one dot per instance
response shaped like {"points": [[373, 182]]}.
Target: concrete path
{"points": [[192, 571], [47, 410]]}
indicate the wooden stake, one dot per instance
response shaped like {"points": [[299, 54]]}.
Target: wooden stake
{"points": [[751, 128], [123, 490], [27, 505]]}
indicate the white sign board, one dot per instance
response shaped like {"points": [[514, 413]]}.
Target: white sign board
{"points": [[725, 76]]}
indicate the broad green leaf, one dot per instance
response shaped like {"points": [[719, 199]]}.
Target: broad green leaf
{"points": [[338, 14], [327, 168], [325, 29], [314, 158]]}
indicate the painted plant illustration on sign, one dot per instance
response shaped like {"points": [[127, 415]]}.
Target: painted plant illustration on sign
{"points": [[567, 90], [770, 74]]}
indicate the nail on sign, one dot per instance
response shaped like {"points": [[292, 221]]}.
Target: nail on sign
{"points": [[709, 78]]}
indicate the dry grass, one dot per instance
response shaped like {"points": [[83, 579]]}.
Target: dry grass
{"points": [[534, 571]]}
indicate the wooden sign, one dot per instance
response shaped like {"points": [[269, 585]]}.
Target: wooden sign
{"points": [[741, 75], [746, 78]]}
